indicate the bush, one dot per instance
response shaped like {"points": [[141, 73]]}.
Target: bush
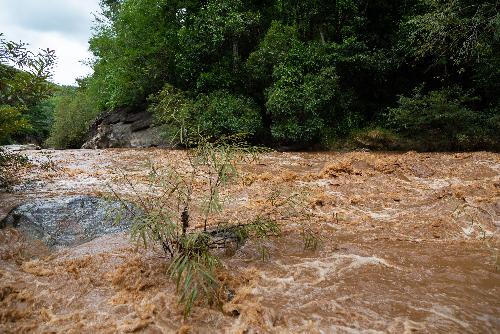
{"points": [[301, 108], [12, 122], [214, 115], [172, 111], [184, 215], [179, 217], [445, 120], [73, 114], [222, 113]]}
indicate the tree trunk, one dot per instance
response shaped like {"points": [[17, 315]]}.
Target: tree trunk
{"points": [[236, 56], [322, 35]]}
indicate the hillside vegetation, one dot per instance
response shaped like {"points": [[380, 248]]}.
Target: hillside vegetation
{"points": [[416, 74], [307, 72]]}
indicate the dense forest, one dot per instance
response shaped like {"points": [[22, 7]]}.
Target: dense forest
{"points": [[413, 74]]}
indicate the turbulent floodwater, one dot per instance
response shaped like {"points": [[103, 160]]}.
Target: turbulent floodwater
{"points": [[409, 244]]}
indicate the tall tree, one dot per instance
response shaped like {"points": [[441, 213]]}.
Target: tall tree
{"points": [[22, 87]]}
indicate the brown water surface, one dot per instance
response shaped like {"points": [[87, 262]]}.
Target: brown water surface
{"points": [[409, 245]]}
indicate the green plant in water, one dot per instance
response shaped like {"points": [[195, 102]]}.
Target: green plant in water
{"points": [[181, 216]]}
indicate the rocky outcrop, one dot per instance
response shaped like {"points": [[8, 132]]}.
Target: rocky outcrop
{"points": [[70, 220], [124, 127]]}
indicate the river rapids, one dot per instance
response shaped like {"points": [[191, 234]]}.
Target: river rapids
{"points": [[409, 244]]}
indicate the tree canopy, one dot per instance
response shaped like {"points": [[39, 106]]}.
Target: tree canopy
{"points": [[304, 73], [24, 89]]}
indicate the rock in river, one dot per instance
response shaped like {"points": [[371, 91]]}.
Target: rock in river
{"points": [[70, 220]]}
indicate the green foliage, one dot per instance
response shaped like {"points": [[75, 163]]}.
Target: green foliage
{"points": [[24, 88], [302, 101], [172, 111], [74, 112], [322, 20], [135, 51], [12, 122], [458, 32], [215, 115], [40, 117], [23, 91], [212, 45], [222, 113], [21, 123], [444, 119], [186, 199], [271, 51], [293, 72]]}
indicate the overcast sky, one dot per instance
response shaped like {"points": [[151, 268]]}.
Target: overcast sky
{"points": [[61, 25]]}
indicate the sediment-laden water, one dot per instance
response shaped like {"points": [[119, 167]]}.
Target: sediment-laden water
{"points": [[409, 244]]}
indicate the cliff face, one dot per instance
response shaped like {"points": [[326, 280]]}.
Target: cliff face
{"points": [[124, 127]]}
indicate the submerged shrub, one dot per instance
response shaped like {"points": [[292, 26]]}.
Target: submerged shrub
{"points": [[184, 215], [176, 217]]}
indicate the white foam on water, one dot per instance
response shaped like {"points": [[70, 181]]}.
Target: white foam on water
{"points": [[319, 183], [481, 232], [468, 231], [490, 164], [385, 215], [434, 184], [322, 269], [443, 312], [350, 330], [359, 261], [408, 326]]}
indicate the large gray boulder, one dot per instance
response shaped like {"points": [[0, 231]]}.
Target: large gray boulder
{"points": [[71, 220]]}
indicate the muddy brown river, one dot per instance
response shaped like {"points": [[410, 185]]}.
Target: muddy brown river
{"points": [[409, 244]]}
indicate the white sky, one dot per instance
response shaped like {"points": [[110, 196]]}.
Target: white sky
{"points": [[61, 25]]}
